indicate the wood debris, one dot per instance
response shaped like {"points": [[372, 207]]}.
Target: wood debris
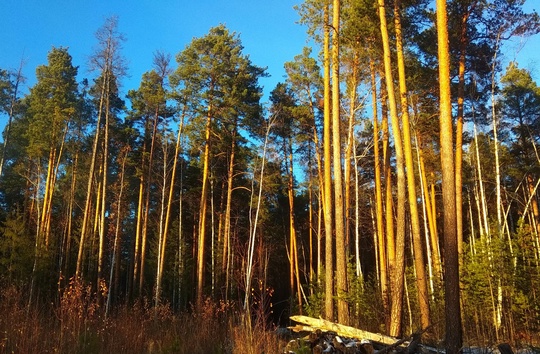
{"points": [[329, 337]]}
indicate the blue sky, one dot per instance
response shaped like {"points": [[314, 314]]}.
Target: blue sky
{"points": [[29, 29], [267, 28]]}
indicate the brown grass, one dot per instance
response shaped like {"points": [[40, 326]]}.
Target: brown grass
{"points": [[79, 325]]}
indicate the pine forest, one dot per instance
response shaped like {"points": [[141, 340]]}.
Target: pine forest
{"points": [[389, 183]]}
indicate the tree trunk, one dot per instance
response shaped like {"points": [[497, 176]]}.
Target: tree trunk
{"points": [[294, 272], [227, 222], [341, 247], [380, 234], [138, 228], [349, 146], [454, 336], [420, 264], [116, 245], [396, 255], [431, 215], [202, 212], [140, 212], [147, 197], [161, 256], [105, 168], [88, 201], [47, 198], [389, 241], [328, 225], [463, 41]]}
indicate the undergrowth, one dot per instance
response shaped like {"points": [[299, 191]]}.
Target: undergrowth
{"points": [[78, 325]]}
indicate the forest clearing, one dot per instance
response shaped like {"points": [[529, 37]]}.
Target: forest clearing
{"points": [[389, 185]]}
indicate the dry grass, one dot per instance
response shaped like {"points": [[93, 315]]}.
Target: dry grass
{"points": [[78, 325]]}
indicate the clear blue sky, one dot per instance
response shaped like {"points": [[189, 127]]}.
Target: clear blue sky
{"points": [[267, 28], [29, 29]]}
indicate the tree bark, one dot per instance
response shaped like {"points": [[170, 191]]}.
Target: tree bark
{"points": [[341, 247], [88, 201], [202, 212], [420, 264], [380, 234], [396, 255], [328, 224], [454, 336]]}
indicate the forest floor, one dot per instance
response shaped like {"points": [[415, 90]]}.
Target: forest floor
{"points": [[78, 325]]}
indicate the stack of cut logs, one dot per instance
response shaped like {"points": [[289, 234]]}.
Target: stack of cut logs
{"points": [[329, 337]]}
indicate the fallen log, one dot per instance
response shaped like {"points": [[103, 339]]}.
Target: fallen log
{"points": [[345, 331]]}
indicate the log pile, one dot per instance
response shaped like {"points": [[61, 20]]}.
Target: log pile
{"points": [[329, 337]]}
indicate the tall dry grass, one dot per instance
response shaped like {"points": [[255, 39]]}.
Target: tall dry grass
{"points": [[79, 325]]}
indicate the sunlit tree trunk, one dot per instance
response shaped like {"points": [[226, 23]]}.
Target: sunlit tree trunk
{"points": [[421, 278], [327, 153], [138, 226], [202, 211], [311, 226], [66, 243], [294, 271], [433, 250], [495, 122], [47, 198], [388, 243], [396, 256], [482, 209], [38, 244], [88, 200], [53, 164], [427, 231], [111, 67], [380, 241], [113, 285], [254, 220], [357, 212], [105, 168], [348, 163], [163, 239], [228, 204], [341, 249], [454, 336], [180, 250], [147, 197], [463, 41]]}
